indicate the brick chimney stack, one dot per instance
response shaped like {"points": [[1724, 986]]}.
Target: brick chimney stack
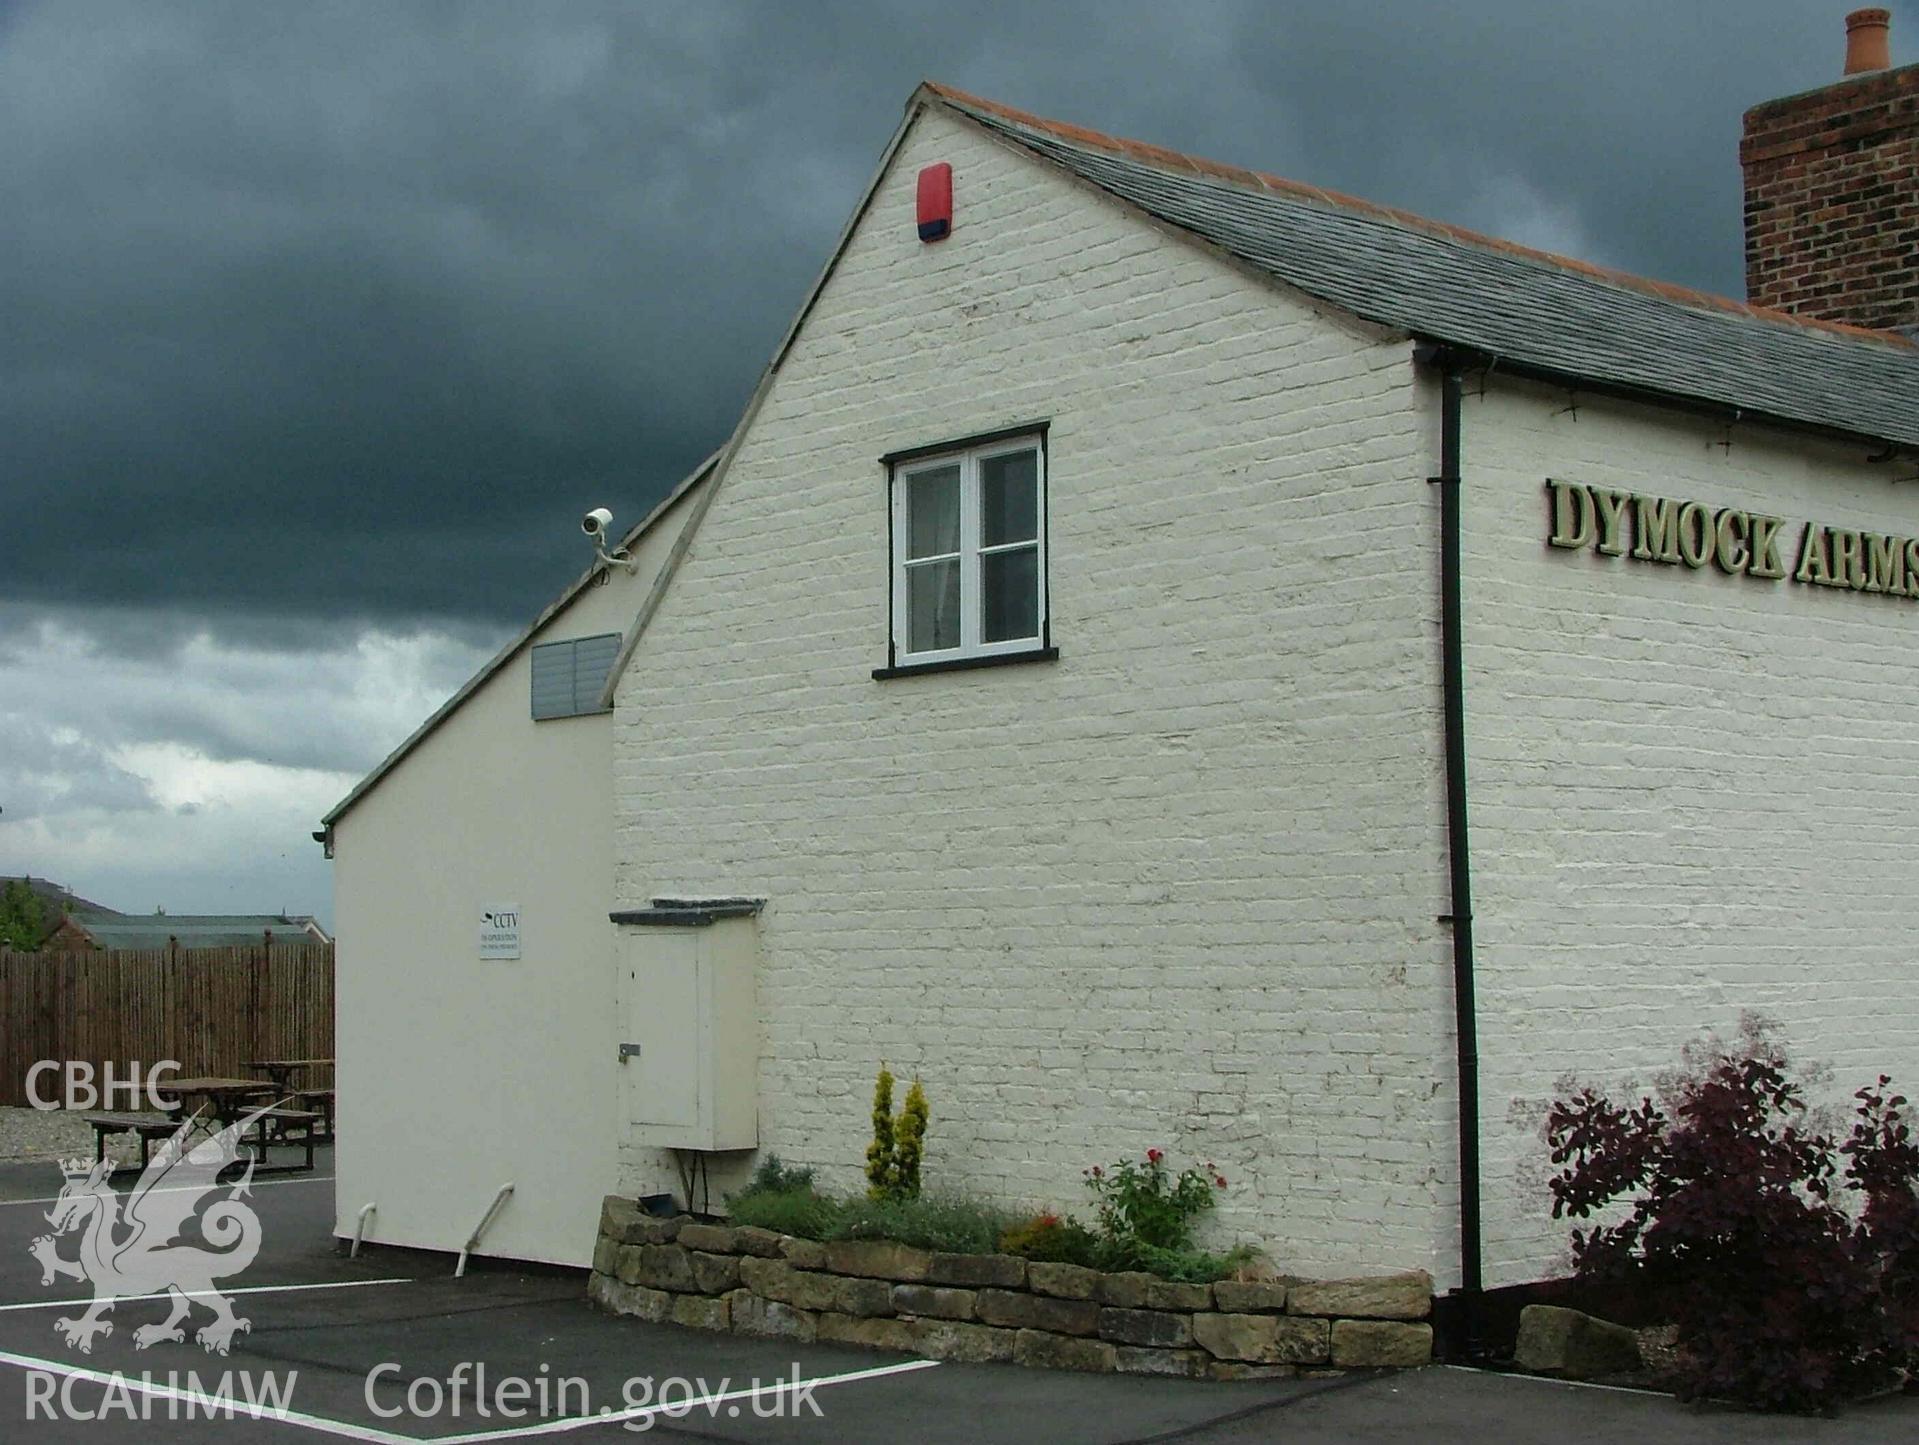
{"points": [[1832, 191]]}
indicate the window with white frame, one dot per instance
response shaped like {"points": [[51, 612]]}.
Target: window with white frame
{"points": [[969, 551]]}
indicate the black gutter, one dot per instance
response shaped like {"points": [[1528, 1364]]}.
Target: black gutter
{"points": [[1468, 1339], [1722, 412]]}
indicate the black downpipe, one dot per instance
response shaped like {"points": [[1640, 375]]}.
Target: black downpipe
{"points": [[1466, 1018]]}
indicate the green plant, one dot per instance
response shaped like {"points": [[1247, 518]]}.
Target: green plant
{"points": [[1781, 1299], [909, 1142], [1143, 1211], [949, 1224], [773, 1177], [1053, 1238], [783, 1199], [899, 1144], [23, 919], [1194, 1266], [804, 1212], [879, 1154]]}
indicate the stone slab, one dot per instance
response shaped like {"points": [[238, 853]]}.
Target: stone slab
{"points": [[878, 1259], [714, 1238], [1383, 1344], [997, 1271], [1062, 1281], [1250, 1297], [1049, 1351], [874, 1334], [1180, 1364], [770, 1319], [1406, 1296], [1573, 1345], [935, 1301], [1011, 1310], [1263, 1339], [963, 1343], [1160, 1328], [713, 1273]]}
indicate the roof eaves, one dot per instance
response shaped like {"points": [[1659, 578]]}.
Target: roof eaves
{"points": [[508, 652], [1489, 361]]}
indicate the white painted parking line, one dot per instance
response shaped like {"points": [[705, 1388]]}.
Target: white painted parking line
{"points": [[201, 1293], [256, 1184], [1552, 1380], [373, 1435], [203, 1402]]}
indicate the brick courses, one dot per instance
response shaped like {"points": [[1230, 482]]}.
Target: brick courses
{"points": [[1832, 201]]}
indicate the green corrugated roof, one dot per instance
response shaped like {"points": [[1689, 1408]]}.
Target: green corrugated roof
{"points": [[191, 930]]}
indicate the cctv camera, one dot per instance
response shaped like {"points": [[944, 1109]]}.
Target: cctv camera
{"points": [[595, 524]]}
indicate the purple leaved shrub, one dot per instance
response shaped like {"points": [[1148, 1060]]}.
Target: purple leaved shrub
{"points": [[1787, 1258]]}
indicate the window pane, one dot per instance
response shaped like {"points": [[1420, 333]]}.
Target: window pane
{"points": [[932, 606], [933, 512], [1010, 581], [1009, 498]]}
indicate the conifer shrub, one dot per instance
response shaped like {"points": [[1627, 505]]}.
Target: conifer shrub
{"points": [[1728, 1207], [899, 1144], [909, 1143], [879, 1153]]}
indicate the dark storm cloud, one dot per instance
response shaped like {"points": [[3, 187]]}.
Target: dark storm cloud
{"points": [[51, 770], [77, 685], [326, 313]]}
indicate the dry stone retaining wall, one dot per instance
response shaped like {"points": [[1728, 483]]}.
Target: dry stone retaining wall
{"points": [[997, 1307]]}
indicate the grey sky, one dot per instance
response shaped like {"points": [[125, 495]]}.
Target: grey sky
{"points": [[320, 323]]}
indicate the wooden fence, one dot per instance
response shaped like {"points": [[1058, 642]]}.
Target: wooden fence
{"points": [[208, 1009]]}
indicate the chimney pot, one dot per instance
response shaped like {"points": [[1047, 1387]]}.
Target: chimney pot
{"points": [[1868, 42]]}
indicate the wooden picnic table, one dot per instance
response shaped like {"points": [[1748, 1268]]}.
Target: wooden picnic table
{"points": [[281, 1071], [230, 1100], [226, 1099]]}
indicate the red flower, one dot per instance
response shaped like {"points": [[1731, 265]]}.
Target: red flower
{"points": [[1219, 1181], [1153, 1156], [1097, 1172]]}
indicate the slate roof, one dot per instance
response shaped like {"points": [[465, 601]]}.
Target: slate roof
{"points": [[1531, 310], [196, 930]]}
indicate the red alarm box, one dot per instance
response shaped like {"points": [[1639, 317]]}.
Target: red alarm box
{"points": [[936, 201]]}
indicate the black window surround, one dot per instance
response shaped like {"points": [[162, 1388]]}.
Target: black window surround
{"points": [[1042, 648], [964, 664]]}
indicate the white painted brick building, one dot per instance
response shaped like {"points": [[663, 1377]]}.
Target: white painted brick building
{"points": [[1177, 872], [1183, 885]]}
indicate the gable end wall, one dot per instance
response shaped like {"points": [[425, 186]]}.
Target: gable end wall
{"points": [[1176, 889]]}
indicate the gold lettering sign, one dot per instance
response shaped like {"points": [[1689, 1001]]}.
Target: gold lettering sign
{"points": [[1738, 542]]}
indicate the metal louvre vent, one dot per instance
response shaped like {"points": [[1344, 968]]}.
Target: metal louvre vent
{"points": [[569, 676]]}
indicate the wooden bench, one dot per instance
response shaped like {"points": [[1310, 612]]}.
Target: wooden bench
{"points": [[280, 1125], [321, 1102], [148, 1126]]}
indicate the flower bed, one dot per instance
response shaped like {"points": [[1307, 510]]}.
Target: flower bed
{"points": [[1000, 1307]]}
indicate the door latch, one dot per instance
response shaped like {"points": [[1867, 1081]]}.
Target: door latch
{"points": [[629, 1051]]}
